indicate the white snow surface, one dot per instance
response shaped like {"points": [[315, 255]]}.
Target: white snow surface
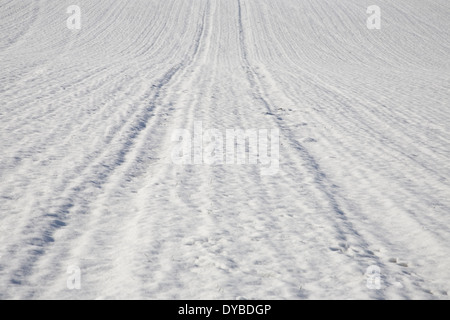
{"points": [[87, 180]]}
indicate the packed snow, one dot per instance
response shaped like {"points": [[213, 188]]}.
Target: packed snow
{"points": [[95, 205]]}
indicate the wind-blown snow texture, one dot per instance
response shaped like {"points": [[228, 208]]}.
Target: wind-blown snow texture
{"points": [[86, 122]]}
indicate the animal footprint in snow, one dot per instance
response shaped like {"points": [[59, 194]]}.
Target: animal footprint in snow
{"points": [[397, 261], [342, 247], [193, 240]]}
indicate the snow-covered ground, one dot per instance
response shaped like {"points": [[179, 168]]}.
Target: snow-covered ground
{"points": [[90, 193]]}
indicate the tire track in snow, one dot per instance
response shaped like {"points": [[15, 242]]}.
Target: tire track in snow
{"points": [[134, 153], [345, 228], [274, 89], [77, 190], [345, 231]]}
